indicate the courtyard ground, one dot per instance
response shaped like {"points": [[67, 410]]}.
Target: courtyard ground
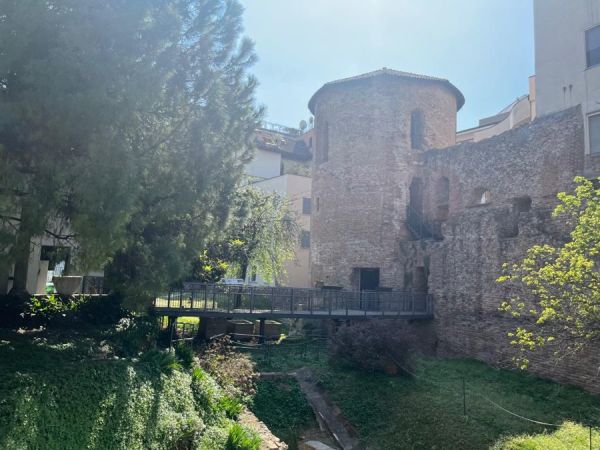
{"points": [[426, 411]]}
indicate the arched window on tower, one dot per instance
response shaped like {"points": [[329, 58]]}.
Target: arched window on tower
{"points": [[417, 123], [481, 196], [442, 198], [323, 143]]}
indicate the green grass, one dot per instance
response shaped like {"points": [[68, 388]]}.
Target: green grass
{"points": [[281, 405], [290, 354], [55, 394], [192, 320], [427, 413], [568, 436]]}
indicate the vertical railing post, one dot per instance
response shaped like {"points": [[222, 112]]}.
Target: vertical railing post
{"points": [[169, 299], [205, 296], [251, 299], [292, 302], [329, 297], [347, 298], [180, 298], [272, 298], [413, 305], [192, 300], [214, 293]]}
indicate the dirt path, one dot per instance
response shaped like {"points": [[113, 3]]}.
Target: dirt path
{"points": [[325, 410]]}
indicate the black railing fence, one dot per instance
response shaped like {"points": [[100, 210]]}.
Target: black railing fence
{"points": [[289, 302]]}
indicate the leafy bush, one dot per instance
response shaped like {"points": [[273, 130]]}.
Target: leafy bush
{"points": [[185, 355], [164, 362], [374, 345], [569, 435], [242, 439], [102, 310], [232, 370], [231, 406], [43, 310], [54, 398], [133, 335]]}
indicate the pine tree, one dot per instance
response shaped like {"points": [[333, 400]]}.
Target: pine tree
{"points": [[124, 126]]}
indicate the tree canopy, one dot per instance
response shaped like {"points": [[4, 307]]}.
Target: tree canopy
{"points": [[261, 236], [124, 127], [556, 290]]}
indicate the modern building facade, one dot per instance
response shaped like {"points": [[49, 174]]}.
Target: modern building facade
{"points": [[281, 164]]}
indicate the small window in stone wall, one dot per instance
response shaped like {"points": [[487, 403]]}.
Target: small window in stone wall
{"points": [[481, 196], [305, 239], [521, 204], [416, 129]]}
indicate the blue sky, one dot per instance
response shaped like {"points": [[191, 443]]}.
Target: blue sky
{"points": [[484, 47]]}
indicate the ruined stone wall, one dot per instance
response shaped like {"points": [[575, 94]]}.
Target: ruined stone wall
{"points": [[532, 162], [360, 193]]}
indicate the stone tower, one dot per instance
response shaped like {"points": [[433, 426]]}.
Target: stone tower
{"points": [[370, 131]]}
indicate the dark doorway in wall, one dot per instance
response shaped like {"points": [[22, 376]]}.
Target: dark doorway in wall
{"points": [[368, 279], [420, 280], [416, 195]]}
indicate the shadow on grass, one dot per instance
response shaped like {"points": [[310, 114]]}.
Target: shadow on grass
{"points": [[52, 396], [428, 411]]}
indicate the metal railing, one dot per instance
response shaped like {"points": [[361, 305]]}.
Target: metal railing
{"points": [[268, 301]]}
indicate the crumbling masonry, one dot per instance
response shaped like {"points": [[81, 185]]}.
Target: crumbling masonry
{"points": [[398, 205]]}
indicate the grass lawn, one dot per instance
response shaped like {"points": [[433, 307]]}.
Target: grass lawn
{"points": [[427, 412]]}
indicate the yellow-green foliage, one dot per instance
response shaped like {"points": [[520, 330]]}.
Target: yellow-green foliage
{"points": [[55, 396], [558, 288], [569, 436]]}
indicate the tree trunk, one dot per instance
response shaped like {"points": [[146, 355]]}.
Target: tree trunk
{"points": [[4, 274], [22, 254]]}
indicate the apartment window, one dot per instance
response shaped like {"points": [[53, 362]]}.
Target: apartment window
{"points": [[594, 125], [592, 46], [416, 130], [306, 205], [305, 239]]}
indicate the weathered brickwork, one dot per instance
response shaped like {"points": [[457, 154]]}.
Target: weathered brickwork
{"points": [[360, 193], [484, 203], [522, 170]]}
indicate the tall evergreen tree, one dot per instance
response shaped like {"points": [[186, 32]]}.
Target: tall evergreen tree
{"points": [[127, 121]]}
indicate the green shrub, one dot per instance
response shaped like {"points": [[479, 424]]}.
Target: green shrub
{"points": [[163, 361], [233, 371], [231, 406], [133, 335], [206, 393], [45, 309], [102, 310], [569, 436], [242, 439], [53, 398], [185, 354]]}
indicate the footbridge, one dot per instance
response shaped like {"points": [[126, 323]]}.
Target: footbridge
{"points": [[265, 302]]}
